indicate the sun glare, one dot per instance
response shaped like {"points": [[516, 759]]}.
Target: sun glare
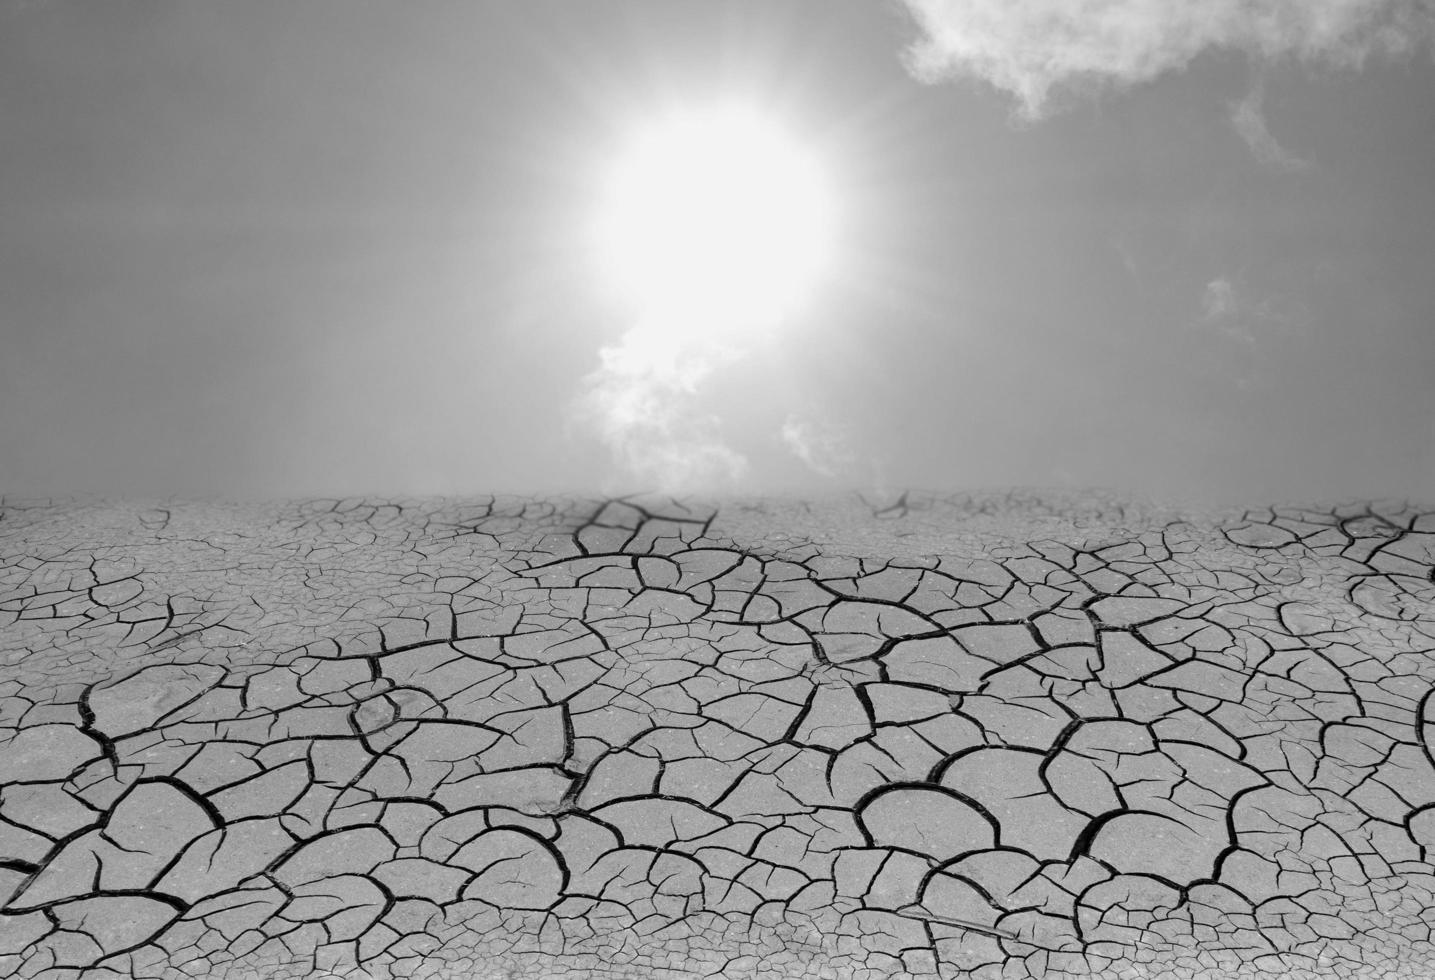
{"points": [[715, 218]]}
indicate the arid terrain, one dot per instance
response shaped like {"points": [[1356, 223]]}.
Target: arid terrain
{"points": [[1020, 735]]}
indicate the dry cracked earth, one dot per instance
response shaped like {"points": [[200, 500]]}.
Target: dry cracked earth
{"points": [[1004, 735]]}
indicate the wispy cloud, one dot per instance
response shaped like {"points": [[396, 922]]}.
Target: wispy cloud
{"points": [[821, 446], [642, 402], [1243, 314], [1030, 47], [1218, 300], [1253, 323], [1249, 119]]}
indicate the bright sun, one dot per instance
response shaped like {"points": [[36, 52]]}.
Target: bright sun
{"points": [[715, 218]]}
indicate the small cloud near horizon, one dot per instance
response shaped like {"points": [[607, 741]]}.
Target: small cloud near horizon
{"points": [[821, 446], [642, 403]]}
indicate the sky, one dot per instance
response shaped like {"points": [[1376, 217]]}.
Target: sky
{"points": [[332, 247]]}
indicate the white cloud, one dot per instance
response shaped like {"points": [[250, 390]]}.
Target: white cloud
{"points": [[1218, 300], [1030, 47], [1247, 315], [822, 447], [642, 403], [1249, 118]]}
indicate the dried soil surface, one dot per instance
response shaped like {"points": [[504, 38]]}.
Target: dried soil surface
{"points": [[1004, 735]]}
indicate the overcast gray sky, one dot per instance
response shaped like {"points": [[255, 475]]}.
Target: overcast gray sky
{"points": [[296, 247]]}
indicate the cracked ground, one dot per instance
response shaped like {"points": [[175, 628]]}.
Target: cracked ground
{"points": [[1015, 736]]}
